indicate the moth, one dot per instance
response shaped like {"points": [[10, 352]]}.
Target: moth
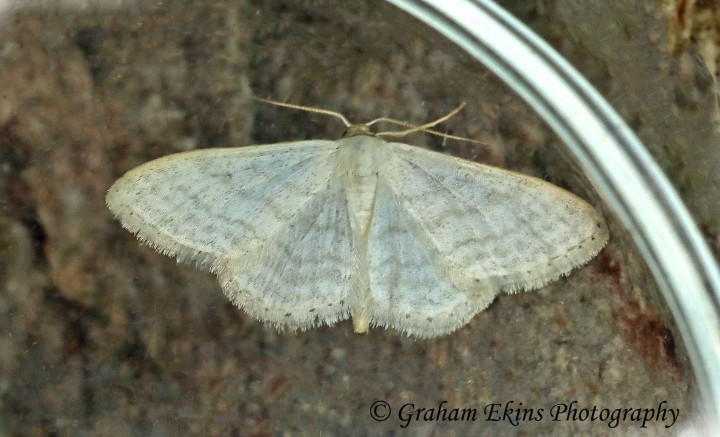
{"points": [[307, 233]]}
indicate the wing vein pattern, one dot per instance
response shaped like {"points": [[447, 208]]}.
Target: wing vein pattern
{"points": [[449, 235]]}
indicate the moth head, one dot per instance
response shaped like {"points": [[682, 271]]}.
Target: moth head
{"points": [[358, 129]]}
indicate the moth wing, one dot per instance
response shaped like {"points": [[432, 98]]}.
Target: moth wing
{"points": [[207, 205], [271, 221], [409, 289], [448, 235], [500, 229], [303, 277]]}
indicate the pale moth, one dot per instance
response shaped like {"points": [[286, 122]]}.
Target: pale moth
{"points": [[307, 233]]}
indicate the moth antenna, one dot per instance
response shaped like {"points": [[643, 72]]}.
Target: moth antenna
{"points": [[412, 128], [422, 128], [305, 108], [428, 131]]}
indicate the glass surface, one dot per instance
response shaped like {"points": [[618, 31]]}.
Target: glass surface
{"points": [[104, 336]]}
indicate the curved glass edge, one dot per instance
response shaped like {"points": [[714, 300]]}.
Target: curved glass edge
{"points": [[617, 163]]}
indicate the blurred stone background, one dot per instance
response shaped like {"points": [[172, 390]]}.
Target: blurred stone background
{"points": [[103, 336]]}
